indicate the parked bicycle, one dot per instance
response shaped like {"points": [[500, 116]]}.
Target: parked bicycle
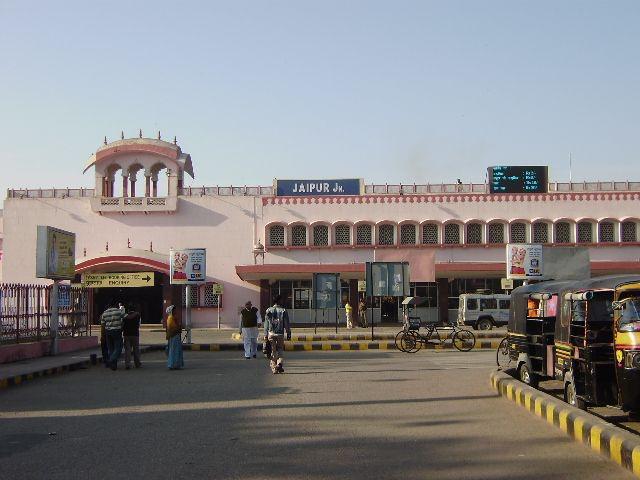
{"points": [[410, 339], [503, 356]]}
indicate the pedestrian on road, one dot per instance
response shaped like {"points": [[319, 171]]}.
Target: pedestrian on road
{"points": [[111, 319], [348, 312], [131, 333], [275, 325], [175, 360], [250, 319], [362, 313]]}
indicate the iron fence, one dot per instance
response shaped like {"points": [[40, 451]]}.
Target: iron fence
{"points": [[25, 312]]}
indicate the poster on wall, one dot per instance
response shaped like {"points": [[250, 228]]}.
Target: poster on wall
{"points": [[55, 253], [188, 265], [524, 261]]}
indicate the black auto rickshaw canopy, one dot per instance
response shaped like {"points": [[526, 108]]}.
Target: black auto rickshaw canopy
{"points": [[520, 296]]}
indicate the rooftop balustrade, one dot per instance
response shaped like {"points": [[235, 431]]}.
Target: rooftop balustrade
{"points": [[370, 189]]}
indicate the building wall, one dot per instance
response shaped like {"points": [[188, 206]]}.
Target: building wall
{"points": [[228, 226], [223, 225]]}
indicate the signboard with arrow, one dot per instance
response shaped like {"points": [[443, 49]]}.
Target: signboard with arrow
{"points": [[118, 280]]}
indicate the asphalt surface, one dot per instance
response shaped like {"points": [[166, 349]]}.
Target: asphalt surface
{"points": [[360, 414]]}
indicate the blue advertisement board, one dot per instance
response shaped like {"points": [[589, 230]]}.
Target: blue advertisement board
{"points": [[314, 188]]}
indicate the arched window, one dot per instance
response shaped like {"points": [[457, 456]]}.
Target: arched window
{"points": [[518, 232], [474, 233], [299, 235], [320, 235], [585, 232], [629, 232], [430, 233], [343, 234], [408, 234], [496, 233], [276, 235], [451, 233], [562, 232], [540, 232], [363, 234], [606, 232], [385, 234]]}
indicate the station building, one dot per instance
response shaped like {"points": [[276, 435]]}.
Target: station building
{"points": [[260, 244]]}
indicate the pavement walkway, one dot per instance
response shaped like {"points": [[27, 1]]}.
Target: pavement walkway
{"points": [[213, 339]]}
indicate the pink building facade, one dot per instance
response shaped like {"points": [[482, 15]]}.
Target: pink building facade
{"points": [[259, 244]]}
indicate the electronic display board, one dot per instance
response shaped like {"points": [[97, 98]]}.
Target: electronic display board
{"points": [[518, 179]]}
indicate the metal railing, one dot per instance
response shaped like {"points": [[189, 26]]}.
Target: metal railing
{"points": [[370, 189], [25, 312]]}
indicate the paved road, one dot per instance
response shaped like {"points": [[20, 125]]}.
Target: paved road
{"points": [[361, 414]]}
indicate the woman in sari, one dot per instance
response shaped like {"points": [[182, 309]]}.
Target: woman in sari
{"points": [[174, 341]]}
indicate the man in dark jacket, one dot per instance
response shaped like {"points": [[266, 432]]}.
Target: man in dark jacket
{"points": [[131, 334], [275, 325]]}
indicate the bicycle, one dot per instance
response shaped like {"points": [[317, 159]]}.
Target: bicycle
{"points": [[410, 340], [503, 356]]}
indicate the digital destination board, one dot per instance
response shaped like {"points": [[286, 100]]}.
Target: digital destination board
{"points": [[518, 179]]}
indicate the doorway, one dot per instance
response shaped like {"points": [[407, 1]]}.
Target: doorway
{"points": [[389, 309]]}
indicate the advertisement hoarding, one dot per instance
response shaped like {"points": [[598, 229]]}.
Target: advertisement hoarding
{"points": [[326, 289], [55, 253], [387, 279], [524, 261], [187, 266]]}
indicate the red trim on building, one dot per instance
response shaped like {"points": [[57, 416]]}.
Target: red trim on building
{"points": [[451, 197], [166, 151], [122, 259]]}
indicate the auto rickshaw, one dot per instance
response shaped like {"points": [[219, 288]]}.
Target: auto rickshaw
{"points": [[531, 329], [589, 341], [626, 315]]}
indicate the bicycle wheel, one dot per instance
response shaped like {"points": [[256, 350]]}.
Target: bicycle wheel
{"points": [[398, 339], [410, 342], [503, 358], [464, 340]]}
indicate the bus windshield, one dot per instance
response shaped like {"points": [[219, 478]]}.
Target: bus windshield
{"points": [[630, 316]]}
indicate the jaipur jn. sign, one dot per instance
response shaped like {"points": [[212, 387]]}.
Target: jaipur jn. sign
{"points": [[312, 188]]}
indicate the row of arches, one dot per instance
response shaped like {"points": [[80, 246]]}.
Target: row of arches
{"points": [[154, 183], [471, 232]]}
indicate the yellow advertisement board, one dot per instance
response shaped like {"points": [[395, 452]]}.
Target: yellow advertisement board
{"points": [[117, 280], [55, 253]]}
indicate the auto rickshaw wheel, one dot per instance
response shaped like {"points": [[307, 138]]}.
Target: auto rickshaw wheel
{"points": [[527, 376]]}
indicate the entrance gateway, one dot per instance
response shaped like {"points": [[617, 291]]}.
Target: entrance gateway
{"points": [[140, 290]]}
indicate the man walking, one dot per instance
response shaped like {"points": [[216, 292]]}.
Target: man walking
{"points": [[275, 325], [249, 320], [112, 320], [131, 334]]}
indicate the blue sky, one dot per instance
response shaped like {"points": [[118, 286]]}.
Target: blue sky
{"points": [[395, 91]]}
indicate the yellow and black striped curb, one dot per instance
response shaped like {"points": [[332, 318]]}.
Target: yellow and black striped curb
{"points": [[20, 379], [315, 346], [347, 337], [16, 380], [613, 442]]}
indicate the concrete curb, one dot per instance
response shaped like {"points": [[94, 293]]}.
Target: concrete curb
{"points": [[47, 372], [610, 441], [70, 366], [366, 337], [315, 346]]}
